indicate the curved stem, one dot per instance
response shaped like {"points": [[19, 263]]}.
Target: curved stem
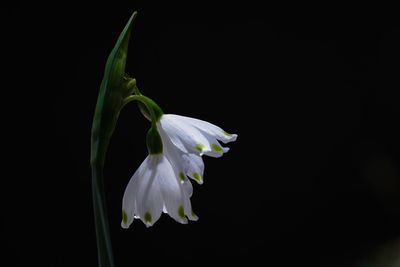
{"points": [[136, 90], [146, 102]]}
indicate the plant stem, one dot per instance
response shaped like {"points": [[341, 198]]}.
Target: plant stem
{"points": [[104, 249]]}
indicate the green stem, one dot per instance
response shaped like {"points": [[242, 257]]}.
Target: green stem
{"points": [[136, 90], [113, 89], [104, 249], [152, 107]]}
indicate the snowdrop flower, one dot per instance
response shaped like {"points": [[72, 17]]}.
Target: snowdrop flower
{"points": [[187, 139], [176, 144], [154, 188]]}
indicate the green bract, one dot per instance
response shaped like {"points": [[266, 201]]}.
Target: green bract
{"points": [[114, 88]]}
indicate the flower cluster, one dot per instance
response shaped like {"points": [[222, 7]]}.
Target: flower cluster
{"points": [[161, 182]]}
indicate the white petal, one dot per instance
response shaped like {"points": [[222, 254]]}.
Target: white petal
{"points": [[188, 210], [173, 154], [183, 163], [149, 201], [208, 128], [187, 207], [194, 167], [189, 163], [187, 186], [172, 191], [142, 198], [184, 136], [216, 149], [129, 198], [188, 189]]}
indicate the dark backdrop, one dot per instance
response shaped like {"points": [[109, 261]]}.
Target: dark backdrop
{"points": [[313, 179]]}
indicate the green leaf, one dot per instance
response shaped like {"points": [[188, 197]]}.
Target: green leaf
{"points": [[113, 90]]}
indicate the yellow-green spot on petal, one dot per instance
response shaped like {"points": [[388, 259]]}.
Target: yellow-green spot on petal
{"points": [[216, 147], [124, 217], [196, 176], [200, 147], [182, 176], [147, 217], [181, 212], [227, 134]]}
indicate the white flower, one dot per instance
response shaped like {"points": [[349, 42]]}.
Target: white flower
{"points": [[193, 135], [160, 183], [154, 188]]}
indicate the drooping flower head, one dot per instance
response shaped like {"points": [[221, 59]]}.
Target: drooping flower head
{"points": [[176, 144]]}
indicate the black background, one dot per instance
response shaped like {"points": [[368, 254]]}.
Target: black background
{"points": [[313, 179]]}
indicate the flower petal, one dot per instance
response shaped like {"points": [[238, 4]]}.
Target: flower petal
{"points": [[216, 149], [129, 198], [194, 167], [187, 186], [173, 155], [184, 136], [208, 128], [188, 209], [149, 201], [183, 163], [172, 191], [142, 198]]}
